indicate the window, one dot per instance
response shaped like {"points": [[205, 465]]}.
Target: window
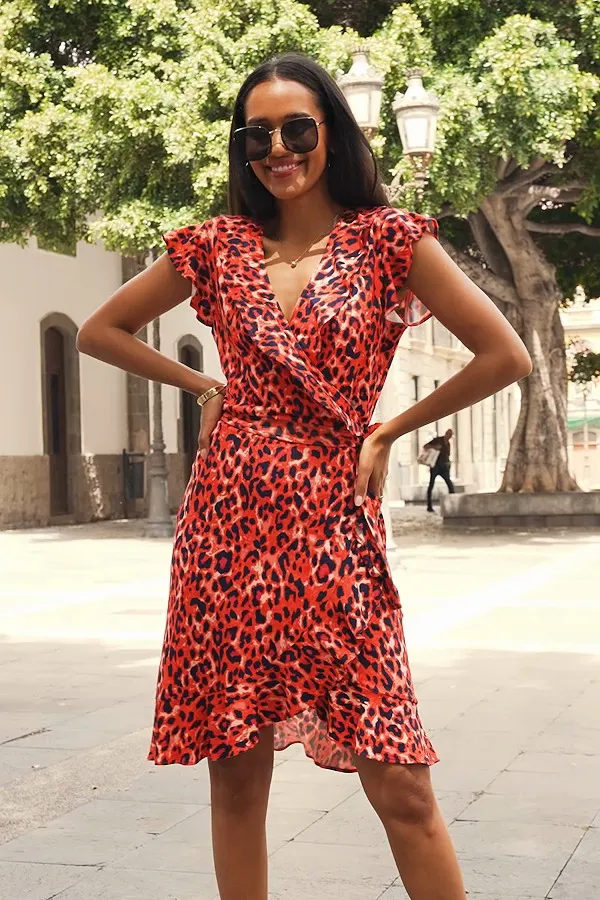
{"points": [[415, 435], [579, 439], [495, 426], [436, 385], [472, 424]]}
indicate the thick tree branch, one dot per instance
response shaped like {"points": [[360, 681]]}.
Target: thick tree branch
{"points": [[493, 285], [521, 178], [562, 228], [490, 246]]}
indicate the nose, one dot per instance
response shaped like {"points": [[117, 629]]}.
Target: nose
{"points": [[276, 142]]}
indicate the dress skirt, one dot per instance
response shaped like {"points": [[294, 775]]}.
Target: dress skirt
{"points": [[282, 608]]}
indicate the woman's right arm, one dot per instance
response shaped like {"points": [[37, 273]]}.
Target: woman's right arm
{"points": [[109, 333]]}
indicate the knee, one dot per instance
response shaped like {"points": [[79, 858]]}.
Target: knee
{"points": [[406, 802]]}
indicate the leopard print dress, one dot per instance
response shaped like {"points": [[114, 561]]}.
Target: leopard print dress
{"points": [[282, 609]]}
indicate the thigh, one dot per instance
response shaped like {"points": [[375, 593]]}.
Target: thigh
{"points": [[248, 772]]}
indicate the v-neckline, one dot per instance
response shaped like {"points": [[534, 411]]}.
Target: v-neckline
{"points": [[309, 284]]}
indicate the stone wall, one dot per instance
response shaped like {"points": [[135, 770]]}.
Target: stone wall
{"points": [[560, 510], [96, 489], [24, 491]]}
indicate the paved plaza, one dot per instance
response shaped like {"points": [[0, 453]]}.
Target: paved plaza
{"points": [[504, 637]]}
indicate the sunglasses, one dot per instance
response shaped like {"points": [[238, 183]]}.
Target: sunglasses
{"points": [[299, 135]]}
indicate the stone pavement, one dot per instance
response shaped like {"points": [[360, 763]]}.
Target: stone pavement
{"points": [[504, 637]]}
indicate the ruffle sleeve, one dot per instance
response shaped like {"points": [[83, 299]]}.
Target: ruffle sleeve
{"points": [[399, 231], [191, 251]]}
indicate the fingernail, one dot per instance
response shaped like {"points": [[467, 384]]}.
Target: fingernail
{"points": [[203, 453], [358, 499]]}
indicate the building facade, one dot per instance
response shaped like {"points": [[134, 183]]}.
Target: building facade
{"points": [[76, 432], [581, 322]]}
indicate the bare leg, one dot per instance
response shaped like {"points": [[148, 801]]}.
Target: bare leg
{"points": [[239, 796], [403, 799]]}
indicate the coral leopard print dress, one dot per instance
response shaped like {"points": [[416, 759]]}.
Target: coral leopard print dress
{"points": [[282, 608]]}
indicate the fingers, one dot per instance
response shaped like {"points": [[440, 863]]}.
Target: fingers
{"points": [[211, 413], [361, 486], [369, 483]]}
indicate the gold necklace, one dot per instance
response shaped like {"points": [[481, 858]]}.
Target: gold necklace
{"points": [[294, 262]]}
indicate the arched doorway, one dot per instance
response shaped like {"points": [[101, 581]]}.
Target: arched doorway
{"points": [[190, 354], [61, 409], [56, 412]]}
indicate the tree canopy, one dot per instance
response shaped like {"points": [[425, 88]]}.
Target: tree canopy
{"points": [[122, 108], [114, 117]]}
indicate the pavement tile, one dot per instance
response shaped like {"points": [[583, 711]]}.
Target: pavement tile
{"points": [[354, 822], [307, 795], [518, 875], [16, 761], [123, 884], [366, 867], [563, 764], [553, 810], [515, 839], [304, 770], [93, 728], [455, 774], [581, 876], [96, 833], [574, 788], [34, 881], [301, 889], [564, 739], [166, 784], [184, 848], [64, 848], [453, 803]]}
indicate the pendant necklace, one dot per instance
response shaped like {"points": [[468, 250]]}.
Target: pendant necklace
{"points": [[294, 262]]}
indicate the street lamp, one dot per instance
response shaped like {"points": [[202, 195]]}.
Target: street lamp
{"points": [[416, 116], [362, 87], [416, 112]]}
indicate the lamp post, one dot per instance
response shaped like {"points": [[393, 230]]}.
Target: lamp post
{"points": [[159, 523], [416, 114], [363, 87]]}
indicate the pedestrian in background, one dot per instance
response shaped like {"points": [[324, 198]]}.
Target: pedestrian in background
{"points": [[441, 466], [284, 623]]}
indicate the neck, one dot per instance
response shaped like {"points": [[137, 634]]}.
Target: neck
{"points": [[304, 217]]}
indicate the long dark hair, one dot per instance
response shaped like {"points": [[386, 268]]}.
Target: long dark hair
{"points": [[353, 177]]}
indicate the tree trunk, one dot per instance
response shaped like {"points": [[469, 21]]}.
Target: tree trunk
{"points": [[538, 458]]}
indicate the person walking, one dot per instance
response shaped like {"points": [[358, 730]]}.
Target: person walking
{"points": [[441, 466], [284, 624]]}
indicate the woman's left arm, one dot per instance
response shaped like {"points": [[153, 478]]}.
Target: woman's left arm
{"points": [[499, 355]]}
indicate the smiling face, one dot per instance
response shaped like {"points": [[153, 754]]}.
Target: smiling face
{"points": [[285, 174]]}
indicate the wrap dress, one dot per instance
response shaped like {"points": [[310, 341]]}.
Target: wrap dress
{"points": [[282, 608]]}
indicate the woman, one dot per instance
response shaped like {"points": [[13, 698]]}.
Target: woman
{"points": [[284, 624]]}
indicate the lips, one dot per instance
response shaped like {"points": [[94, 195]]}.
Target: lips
{"points": [[285, 170]]}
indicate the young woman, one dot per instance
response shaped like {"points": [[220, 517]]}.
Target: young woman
{"points": [[284, 623]]}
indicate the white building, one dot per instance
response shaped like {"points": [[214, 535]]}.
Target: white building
{"points": [[67, 419], [581, 321]]}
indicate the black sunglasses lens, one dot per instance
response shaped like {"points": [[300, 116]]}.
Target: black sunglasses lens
{"points": [[254, 142], [300, 135]]}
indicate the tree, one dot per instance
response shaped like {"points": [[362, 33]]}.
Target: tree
{"points": [[121, 109], [584, 363], [515, 179]]}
